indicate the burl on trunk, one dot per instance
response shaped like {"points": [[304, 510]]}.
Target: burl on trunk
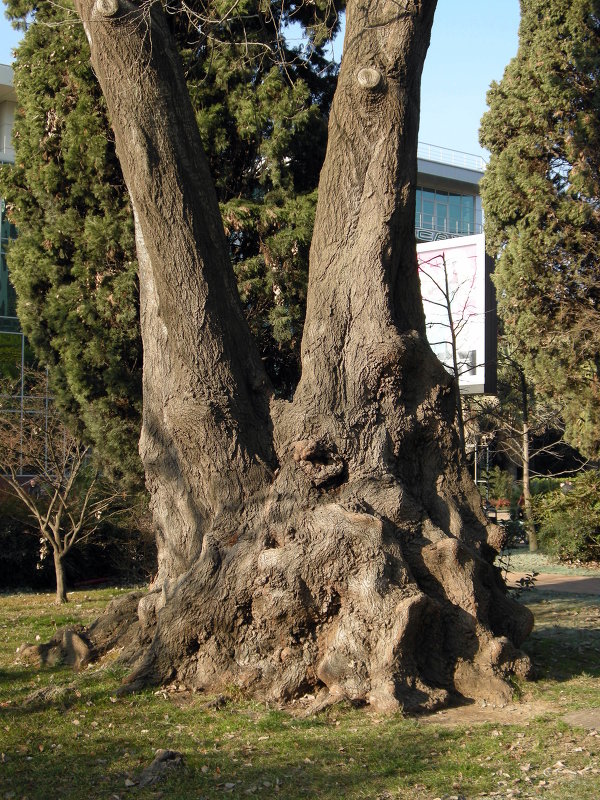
{"points": [[333, 544]]}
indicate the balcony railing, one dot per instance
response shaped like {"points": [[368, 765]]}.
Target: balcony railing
{"points": [[424, 222], [455, 158]]}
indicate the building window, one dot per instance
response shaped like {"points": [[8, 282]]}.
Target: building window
{"points": [[7, 293], [446, 212]]}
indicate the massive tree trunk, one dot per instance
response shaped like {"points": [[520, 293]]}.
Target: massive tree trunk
{"points": [[334, 543]]}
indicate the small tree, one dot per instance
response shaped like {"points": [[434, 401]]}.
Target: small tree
{"points": [[49, 471], [450, 304], [527, 425]]}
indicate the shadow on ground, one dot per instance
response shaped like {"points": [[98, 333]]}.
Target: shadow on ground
{"points": [[565, 642]]}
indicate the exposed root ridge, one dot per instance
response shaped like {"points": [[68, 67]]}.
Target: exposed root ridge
{"points": [[342, 604]]}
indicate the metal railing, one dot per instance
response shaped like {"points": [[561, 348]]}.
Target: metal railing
{"points": [[22, 403], [455, 158], [425, 222]]}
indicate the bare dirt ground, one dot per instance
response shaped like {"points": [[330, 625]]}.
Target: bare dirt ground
{"points": [[475, 714]]}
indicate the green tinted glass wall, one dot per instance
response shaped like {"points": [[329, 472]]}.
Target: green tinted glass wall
{"points": [[447, 212], [7, 292]]}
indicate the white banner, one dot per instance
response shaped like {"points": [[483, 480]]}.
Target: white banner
{"points": [[453, 282]]}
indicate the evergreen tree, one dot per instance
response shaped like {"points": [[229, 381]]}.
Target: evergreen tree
{"points": [[73, 261], [263, 122], [541, 195]]}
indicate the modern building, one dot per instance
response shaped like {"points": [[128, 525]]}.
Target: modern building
{"points": [[448, 200], [8, 104], [455, 270]]}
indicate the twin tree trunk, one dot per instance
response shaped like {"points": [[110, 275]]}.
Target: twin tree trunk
{"points": [[333, 544]]}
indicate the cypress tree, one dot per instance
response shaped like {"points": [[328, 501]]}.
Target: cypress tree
{"points": [[541, 198], [73, 262], [263, 124]]}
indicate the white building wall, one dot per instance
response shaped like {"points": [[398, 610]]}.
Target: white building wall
{"points": [[8, 105], [7, 117]]}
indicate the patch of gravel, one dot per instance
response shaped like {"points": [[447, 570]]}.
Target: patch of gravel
{"points": [[521, 560]]}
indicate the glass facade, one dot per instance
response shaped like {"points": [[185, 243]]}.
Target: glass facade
{"points": [[7, 292], [447, 213]]}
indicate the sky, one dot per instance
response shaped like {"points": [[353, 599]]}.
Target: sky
{"points": [[9, 38], [471, 43]]}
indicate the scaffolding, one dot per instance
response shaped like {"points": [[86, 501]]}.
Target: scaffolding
{"points": [[22, 402]]}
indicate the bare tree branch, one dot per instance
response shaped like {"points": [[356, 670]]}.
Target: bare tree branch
{"points": [[47, 469]]}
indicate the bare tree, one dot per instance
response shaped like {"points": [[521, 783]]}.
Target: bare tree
{"points": [[455, 317], [49, 471], [518, 418], [335, 543]]}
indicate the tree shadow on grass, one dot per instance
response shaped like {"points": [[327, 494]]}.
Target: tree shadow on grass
{"points": [[9, 676], [565, 642], [366, 766], [28, 690]]}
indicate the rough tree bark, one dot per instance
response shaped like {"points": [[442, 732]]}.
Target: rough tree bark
{"points": [[334, 544], [527, 504]]}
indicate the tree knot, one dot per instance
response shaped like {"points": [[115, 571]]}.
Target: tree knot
{"points": [[369, 78], [106, 8], [319, 461]]}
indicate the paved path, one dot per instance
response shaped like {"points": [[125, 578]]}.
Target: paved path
{"points": [[568, 584]]}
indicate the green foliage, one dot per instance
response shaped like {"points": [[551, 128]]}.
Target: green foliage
{"points": [[262, 113], [539, 486], [540, 196], [569, 518], [502, 486], [72, 264], [272, 274], [10, 355]]}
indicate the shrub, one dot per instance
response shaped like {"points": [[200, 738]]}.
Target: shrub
{"points": [[539, 486], [569, 519], [502, 484]]}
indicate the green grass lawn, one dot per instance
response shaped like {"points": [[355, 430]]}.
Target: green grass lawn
{"points": [[66, 735]]}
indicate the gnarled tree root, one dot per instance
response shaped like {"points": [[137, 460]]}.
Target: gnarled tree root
{"points": [[340, 603]]}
